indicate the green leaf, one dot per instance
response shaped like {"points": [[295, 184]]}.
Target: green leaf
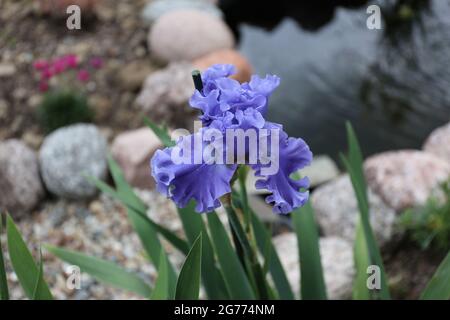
{"points": [[23, 263], [263, 239], [40, 289], [161, 133], [188, 285], [4, 293], [161, 290], [177, 242], [354, 166], [212, 278], [439, 286], [151, 243], [234, 275], [123, 188], [254, 269], [361, 258], [312, 283], [103, 270]]}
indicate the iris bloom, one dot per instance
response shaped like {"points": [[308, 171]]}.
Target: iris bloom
{"points": [[227, 104]]}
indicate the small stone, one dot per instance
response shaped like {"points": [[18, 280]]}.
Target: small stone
{"points": [[227, 56], [337, 263], [405, 178], [21, 188], [7, 70], [165, 95], [132, 76], [70, 153], [438, 143], [155, 9], [337, 212], [321, 170], [188, 34], [133, 151]]}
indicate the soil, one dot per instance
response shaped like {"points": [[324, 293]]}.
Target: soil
{"points": [[115, 33]]}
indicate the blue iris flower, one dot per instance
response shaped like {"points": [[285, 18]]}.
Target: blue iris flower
{"points": [[226, 104]]}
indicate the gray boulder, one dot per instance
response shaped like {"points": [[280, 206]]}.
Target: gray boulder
{"points": [[336, 211], [70, 153], [20, 184], [337, 262]]}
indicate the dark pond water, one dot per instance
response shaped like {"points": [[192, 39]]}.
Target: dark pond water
{"points": [[392, 84]]}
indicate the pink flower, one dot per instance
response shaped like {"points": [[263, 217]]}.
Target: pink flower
{"points": [[59, 65], [47, 73], [71, 60], [40, 64], [83, 75], [43, 86], [96, 62]]}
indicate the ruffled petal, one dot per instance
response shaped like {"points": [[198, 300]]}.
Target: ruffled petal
{"points": [[287, 193], [205, 183]]}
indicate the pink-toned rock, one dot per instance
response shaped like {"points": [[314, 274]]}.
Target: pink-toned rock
{"points": [[21, 188], [438, 143], [405, 178], [165, 94], [228, 56], [187, 35], [133, 151]]}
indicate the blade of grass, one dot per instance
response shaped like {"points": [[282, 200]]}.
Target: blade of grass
{"points": [[234, 275], [151, 243], [4, 292], [312, 283], [439, 286], [40, 291], [161, 289], [254, 269], [276, 268], [361, 259], [188, 285], [123, 188], [212, 279], [176, 241], [161, 133], [103, 270], [23, 263], [354, 166]]}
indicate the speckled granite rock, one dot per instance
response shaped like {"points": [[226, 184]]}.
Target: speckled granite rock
{"points": [[405, 178], [337, 211], [438, 143], [188, 34], [20, 184], [70, 153], [337, 263], [165, 95]]}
